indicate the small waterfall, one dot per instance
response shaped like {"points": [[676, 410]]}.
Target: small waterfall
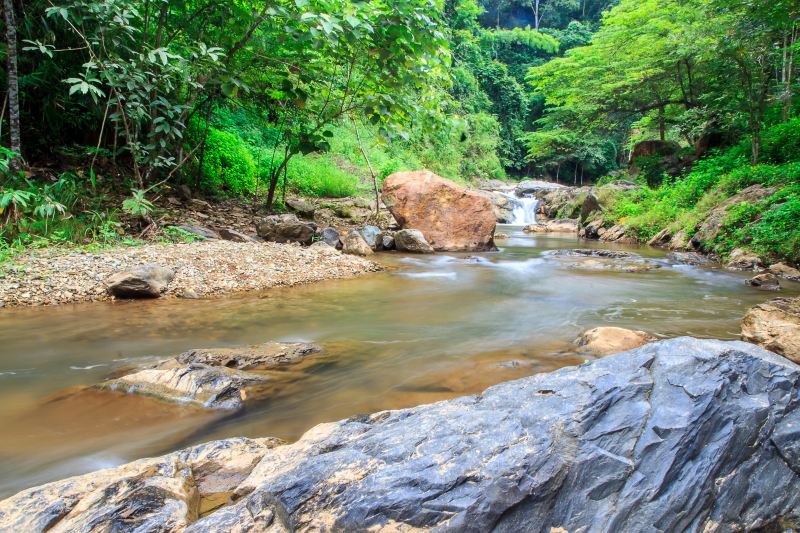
{"points": [[524, 210]]}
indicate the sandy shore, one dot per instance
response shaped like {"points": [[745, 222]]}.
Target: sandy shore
{"points": [[209, 268]]}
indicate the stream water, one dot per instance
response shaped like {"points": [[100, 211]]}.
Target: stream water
{"points": [[429, 328]]}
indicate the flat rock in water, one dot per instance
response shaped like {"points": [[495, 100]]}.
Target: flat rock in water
{"points": [[257, 357], [764, 282], [196, 384], [588, 252], [679, 435]]}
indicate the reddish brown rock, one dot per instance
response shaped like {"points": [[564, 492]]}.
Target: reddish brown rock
{"points": [[451, 217]]}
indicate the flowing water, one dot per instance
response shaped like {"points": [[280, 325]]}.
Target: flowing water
{"points": [[523, 209], [429, 328]]}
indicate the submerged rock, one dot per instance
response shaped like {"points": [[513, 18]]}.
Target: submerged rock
{"points": [[147, 281], [256, 357], [411, 240], [775, 325], [451, 217], [689, 258], [679, 435], [611, 340], [589, 252]]}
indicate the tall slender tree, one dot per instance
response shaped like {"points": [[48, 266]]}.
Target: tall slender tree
{"points": [[15, 136]]}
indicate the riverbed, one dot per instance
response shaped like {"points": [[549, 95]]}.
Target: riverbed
{"points": [[428, 328]]}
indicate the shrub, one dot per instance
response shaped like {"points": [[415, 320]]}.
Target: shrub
{"points": [[319, 176], [781, 143], [228, 165]]}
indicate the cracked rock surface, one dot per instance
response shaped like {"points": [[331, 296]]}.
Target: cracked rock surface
{"points": [[679, 435]]}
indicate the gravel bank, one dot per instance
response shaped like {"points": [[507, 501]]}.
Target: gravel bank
{"points": [[202, 269]]}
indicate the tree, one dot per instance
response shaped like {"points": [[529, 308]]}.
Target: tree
{"points": [[14, 128]]}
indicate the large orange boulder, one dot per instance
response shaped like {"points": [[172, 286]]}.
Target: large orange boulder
{"points": [[451, 217]]}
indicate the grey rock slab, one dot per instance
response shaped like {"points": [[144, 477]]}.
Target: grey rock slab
{"points": [[680, 435]]}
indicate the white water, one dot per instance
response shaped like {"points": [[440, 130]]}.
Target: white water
{"points": [[524, 212]]}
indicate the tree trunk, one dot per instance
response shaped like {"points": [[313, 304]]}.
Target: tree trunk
{"points": [[15, 135], [369, 166], [662, 128]]}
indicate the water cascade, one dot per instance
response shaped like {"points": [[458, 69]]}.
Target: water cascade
{"points": [[524, 210]]}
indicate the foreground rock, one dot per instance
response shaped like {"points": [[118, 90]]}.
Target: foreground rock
{"points": [[775, 325], [163, 494], [680, 435], [147, 281], [202, 269], [451, 217], [610, 340]]}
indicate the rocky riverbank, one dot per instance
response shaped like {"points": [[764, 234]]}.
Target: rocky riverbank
{"points": [[679, 435], [201, 269]]}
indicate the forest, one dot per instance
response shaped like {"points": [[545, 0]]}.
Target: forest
{"points": [[118, 99]]}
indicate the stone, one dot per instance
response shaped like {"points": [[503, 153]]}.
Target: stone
{"points": [[743, 260], [372, 236], [765, 282], [388, 241], [257, 357], [590, 252], [195, 384], [354, 244], [234, 236], [331, 237], [411, 240], [162, 494], [689, 258], [526, 187], [146, 281], [589, 207], [563, 225], [286, 229], [451, 217], [610, 340], [502, 206], [501, 236], [654, 147], [678, 435], [199, 231], [301, 207], [785, 271], [775, 325]]}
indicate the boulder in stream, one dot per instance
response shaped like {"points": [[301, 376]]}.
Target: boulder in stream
{"points": [[765, 282], [610, 340], [775, 325], [784, 271], [679, 435], [146, 281], [451, 217]]}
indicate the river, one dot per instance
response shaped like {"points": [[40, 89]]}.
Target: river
{"points": [[426, 329]]}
